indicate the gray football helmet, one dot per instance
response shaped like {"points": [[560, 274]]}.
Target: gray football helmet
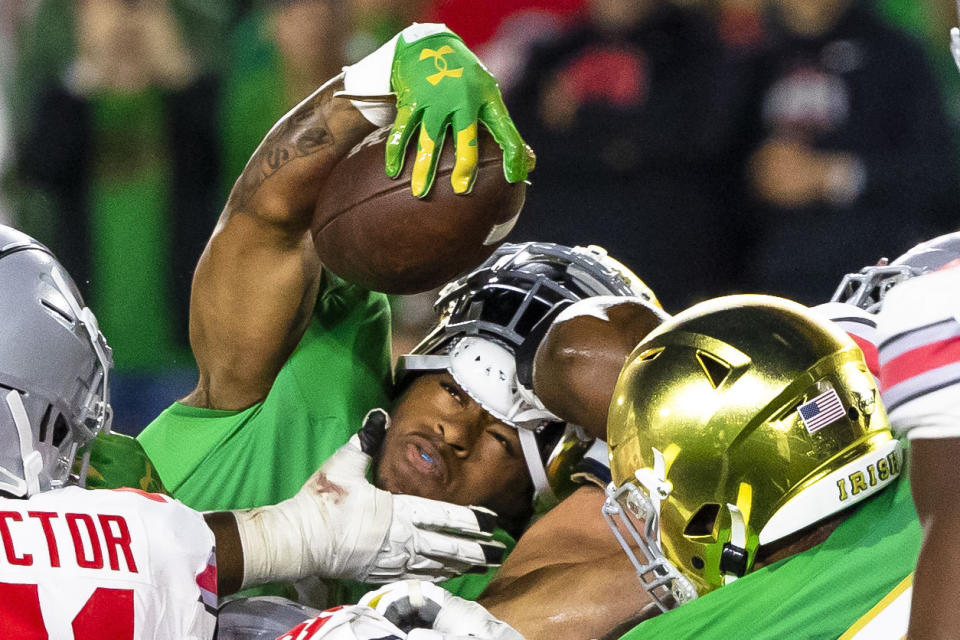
{"points": [[867, 288], [492, 320], [54, 364]]}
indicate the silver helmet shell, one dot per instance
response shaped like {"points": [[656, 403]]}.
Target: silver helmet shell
{"points": [[54, 365], [867, 288], [491, 321]]}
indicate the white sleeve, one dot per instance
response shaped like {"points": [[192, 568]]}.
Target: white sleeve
{"points": [[182, 559], [919, 354], [189, 557]]}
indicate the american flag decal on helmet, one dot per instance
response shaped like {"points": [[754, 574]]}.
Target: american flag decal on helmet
{"points": [[823, 410]]}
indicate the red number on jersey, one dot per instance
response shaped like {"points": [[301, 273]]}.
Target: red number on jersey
{"points": [[108, 613], [20, 605]]}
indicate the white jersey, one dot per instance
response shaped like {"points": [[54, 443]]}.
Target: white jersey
{"points": [[80, 564], [919, 327]]}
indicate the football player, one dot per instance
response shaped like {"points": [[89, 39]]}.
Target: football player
{"points": [[291, 357], [915, 298], [754, 472], [732, 486], [80, 563], [574, 369], [919, 375], [768, 427], [490, 325]]}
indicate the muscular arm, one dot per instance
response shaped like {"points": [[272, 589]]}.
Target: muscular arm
{"points": [[258, 278], [936, 585], [567, 578], [578, 363]]}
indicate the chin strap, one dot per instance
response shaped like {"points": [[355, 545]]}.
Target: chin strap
{"points": [[32, 460], [655, 482], [528, 413], [733, 560], [531, 454]]}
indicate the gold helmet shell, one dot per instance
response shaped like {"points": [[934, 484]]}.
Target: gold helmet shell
{"points": [[740, 421]]}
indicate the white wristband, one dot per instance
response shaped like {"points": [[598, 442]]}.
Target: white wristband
{"points": [[272, 544]]}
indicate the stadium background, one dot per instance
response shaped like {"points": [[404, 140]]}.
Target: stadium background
{"points": [[123, 124]]}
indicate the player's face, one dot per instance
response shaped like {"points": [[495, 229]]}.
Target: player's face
{"points": [[443, 445]]}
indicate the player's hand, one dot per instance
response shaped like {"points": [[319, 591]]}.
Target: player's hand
{"points": [[341, 526], [438, 82], [427, 612], [346, 623]]}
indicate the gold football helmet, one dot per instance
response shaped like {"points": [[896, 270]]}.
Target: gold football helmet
{"points": [[737, 423]]}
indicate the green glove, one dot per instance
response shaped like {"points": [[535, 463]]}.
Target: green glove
{"points": [[435, 81], [439, 81]]}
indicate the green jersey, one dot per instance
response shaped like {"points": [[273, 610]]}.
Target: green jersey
{"points": [[819, 593], [214, 460]]}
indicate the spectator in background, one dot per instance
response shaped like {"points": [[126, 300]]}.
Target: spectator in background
{"points": [[115, 127], [628, 112], [739, 23], [851, 155], [278, 55]]}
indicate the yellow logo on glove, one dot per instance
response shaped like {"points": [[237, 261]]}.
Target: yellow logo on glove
{"points": [[441, 64]]}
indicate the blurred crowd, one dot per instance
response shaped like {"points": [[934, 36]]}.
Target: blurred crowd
{"points": [[714, 147]]}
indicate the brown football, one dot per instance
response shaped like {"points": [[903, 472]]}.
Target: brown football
{"points": [[371, 230]]}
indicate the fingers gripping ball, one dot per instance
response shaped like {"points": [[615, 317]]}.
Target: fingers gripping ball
{"points": [[368, 230], [438, 82]]}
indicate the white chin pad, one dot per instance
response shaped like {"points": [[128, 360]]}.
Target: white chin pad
{"points": [[488, 372]]}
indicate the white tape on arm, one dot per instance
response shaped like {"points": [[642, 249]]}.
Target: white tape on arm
{"points": [[334, 526]]}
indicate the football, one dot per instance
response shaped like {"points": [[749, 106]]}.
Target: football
{"points": [[370, 230]]}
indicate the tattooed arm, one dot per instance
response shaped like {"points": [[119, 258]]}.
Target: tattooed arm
{"points": [[258, 278]]}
